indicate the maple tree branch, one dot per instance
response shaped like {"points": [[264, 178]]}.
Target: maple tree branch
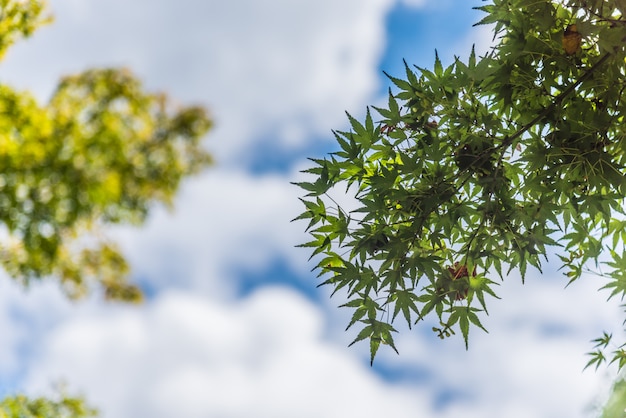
{"points": [[557, 101]]}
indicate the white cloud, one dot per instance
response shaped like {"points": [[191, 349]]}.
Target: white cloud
{"points": [[186, 357], [278, 68], [224, 221], [270, 355]]}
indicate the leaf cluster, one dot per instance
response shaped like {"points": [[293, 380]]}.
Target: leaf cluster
{"points": [[616, 405], [475, 169], [19, 19], [101, 151], [21, 406]]}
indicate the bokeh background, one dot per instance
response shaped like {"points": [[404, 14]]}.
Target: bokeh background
{"points": [[234, 325]]}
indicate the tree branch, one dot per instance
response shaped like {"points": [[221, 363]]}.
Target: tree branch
{"points": [[557, 101]]}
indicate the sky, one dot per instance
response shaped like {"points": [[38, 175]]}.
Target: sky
{"points": [[234, 325]]}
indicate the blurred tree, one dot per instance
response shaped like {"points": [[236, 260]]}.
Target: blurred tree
{"points": [[100, 152], [20, 406], [475, 169], [616, 405]]}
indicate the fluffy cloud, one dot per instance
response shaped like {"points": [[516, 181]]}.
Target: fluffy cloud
{"points": [[182, 356], [539, 332], [223, 222], [270, 355], [278, 69]]}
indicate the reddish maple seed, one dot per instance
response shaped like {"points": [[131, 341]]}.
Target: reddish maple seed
{"points": [[462, 295], [571, 39], [432, 124], [386, 129], [459, 270]]}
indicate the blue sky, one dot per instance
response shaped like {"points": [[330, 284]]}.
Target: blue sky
{"points": [[234, 325]]}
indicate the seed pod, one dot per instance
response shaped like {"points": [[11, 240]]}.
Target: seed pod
{"points": [[571, 39]]}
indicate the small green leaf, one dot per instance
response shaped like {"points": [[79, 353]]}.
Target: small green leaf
{"points": [[363, 334], [438, 65]]}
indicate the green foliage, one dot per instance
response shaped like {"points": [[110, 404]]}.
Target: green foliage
{"points": [[616, 406], [475, 169], [19, 19], [20, 406], [101, 151]]}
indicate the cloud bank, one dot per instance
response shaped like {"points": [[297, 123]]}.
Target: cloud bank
{"points": [[277, 74]]}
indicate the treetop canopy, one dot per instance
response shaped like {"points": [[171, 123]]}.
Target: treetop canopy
{"points": [[474, 170]]}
